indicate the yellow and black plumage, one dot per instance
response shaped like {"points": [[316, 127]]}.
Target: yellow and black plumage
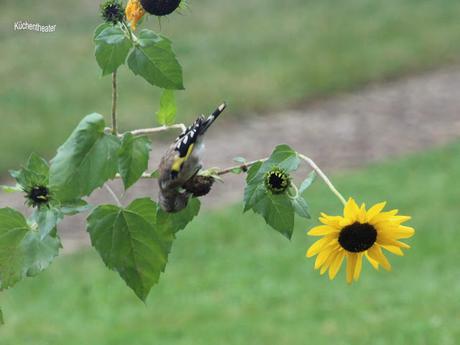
{"points": [[182, 161]]}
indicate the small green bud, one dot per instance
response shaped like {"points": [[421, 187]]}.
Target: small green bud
{"points": [[112, 11], [277, 180]]}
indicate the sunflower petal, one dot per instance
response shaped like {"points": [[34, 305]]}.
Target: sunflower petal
{"points": [[404, 232], [358, 267], [317, 246], [335, 266], [322, 257], [394, 249], [321, 230], [351, 263], [376, 253], [328, 262], [375, 210], [351, 210], [374, 263]]}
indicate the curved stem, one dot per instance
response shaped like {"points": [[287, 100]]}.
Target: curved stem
{"points": [[324, 177], [114, 103], [112, 193], [295, 196]]}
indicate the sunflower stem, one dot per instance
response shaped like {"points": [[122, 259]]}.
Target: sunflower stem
{"points": [[114, 103], [112, 193], [324, 177]]}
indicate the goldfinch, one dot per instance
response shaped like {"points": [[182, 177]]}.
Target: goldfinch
{"points": [[182, 162]]}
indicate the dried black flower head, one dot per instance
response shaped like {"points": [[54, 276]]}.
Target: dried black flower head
{"points": [[199, 185], [277, 180], [112, 11], [160, 7], [38, 196]]}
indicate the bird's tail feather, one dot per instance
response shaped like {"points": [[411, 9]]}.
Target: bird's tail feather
{"points": [[213, 117]]}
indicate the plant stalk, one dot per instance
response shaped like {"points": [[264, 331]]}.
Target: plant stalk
{"points": [[114, 103], [323, 177]]}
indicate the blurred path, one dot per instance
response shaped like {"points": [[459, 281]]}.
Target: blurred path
{"points": [[347, 131]]}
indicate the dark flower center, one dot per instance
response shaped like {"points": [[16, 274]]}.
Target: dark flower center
{"points": [[357, 237], [277, 180], [39, 195], [160, 7]]}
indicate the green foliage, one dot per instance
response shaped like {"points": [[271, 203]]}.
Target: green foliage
{"points": [[133, 158], [167, 113], [129, 242], [277, 209], [47, 218], [36, 171], [23, 251], [170, 223], [154, 60], [87, 159], [112, 48]]}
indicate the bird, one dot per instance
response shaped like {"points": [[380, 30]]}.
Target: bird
{"points": [[182, 161]]}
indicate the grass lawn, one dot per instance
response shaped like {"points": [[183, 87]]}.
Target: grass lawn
{"points": [[260, 54], [232, 280]]}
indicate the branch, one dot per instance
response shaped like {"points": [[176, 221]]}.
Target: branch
{"points": [[114, 102], [244, 167], [143, 131]]}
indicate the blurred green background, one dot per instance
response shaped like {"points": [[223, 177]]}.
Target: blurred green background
{"points": [[257, 55], [232, 280]]}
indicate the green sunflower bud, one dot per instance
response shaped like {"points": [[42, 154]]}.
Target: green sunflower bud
{"points": [[277, 180], [112, 11], [37, 196], [160, 7]]}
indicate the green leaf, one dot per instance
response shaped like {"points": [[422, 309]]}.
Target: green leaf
{"points": [[129, 243], [241, 160], [133, 158], [71, 208], [169, 224], [47, 218], [36, 171], [167, 113], [301, 207], [307, 182], [22, 251], [278, 212], [154, 60], [112, 48], [12, 189], [283, 157], [99, 29], [277, 209], [85, 161], [2, 322]]}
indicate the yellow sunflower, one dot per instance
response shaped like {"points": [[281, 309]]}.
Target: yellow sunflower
{"points": [[358, 233], [134, 12]]}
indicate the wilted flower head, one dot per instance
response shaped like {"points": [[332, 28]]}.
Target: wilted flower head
{"points": [[134, 12]]}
